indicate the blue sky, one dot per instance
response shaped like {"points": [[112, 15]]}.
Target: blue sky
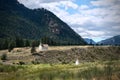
{"points": [[82, 2], [96, 19]]}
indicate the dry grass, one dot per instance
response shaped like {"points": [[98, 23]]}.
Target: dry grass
{"points": [[61, 48], [62, 54]]}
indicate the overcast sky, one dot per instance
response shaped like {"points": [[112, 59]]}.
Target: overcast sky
{"points": [[96, 19]]}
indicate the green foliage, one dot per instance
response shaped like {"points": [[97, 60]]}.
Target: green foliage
{"points": [[4, 43], [87, 71], [21, 63], [49, 41], [10, 68], [4, 57], [10, 43], [26, 43], [19, 42]]}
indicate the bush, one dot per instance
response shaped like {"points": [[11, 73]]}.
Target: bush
{"points": [[35, 62], [4, 57], [21, 63]]}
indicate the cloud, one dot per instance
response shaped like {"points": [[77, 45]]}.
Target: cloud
{"points": [[105, 2], [98, 19], [40, 1], [37, 3], [68, 4], [82, 7]]}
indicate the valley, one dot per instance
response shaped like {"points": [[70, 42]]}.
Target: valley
{"points": [[63, 53]]}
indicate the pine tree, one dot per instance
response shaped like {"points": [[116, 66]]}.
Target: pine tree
{"points": [[33, 47], [5, 44], [19, 42], [11, 45], [26, 43]]}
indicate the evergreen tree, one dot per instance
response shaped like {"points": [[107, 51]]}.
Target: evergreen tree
{"points": [[33, 47], [19, 42], [11, 45], [5, 44], [26, 43]]}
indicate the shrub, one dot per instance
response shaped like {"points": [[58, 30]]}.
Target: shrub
{"points": [[4, 57], [35, 62], [21, 63]]}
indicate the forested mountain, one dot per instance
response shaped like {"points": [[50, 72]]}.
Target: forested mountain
{"points": [[111, 41], [18, 21]]}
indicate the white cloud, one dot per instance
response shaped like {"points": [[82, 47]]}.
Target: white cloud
{"points": [[37, 3], [68, 4], [40, 1], [82, 7], [105, 2]]}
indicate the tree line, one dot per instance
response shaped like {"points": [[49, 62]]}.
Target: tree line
{"points": [[10, 43]]}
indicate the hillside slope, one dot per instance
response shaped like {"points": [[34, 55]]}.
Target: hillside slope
{"points": [[17, 20], [63, 55], [111, 41]]}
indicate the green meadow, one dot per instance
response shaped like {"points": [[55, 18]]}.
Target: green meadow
{"points": [[99, 70]]}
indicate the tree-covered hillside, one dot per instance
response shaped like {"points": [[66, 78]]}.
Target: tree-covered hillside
{"points": [[17, 20]]}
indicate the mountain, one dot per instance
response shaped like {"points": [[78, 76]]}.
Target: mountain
{"points": [[89, 41], [17, 20], [111, 41]]}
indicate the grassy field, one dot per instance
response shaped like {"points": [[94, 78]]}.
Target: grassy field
{"points": [[107, 70]]}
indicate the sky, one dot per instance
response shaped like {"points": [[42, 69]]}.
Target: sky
{"points": [[95, 19]]}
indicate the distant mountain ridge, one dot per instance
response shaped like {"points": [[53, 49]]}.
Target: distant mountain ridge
{"points": [[17, 20], [89, 41], [111, 41]]}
